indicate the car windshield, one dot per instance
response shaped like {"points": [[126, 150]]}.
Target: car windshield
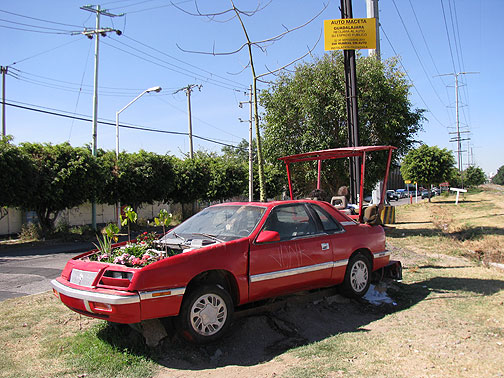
{"points": [[219, 223]]}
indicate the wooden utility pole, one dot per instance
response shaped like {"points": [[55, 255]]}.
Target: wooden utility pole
{"points": [[188, 91]]}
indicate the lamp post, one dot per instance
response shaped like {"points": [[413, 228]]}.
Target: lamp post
{"points": [[153, 89]]}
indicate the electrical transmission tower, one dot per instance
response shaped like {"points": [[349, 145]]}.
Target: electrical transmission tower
{"points": [[457, 138]]}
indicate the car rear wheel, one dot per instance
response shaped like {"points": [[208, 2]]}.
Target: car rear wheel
{"points": [[205, 314], [357, 276]]}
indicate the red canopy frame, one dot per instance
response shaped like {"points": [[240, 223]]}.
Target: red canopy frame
{"points": [[338, 153]]}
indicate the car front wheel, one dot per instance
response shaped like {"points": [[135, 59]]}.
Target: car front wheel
{"points": [[205, 314], [357, 276]]}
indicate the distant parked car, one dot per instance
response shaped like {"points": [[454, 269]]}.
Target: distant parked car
{"points": [[425, 194], [401, 193], [392, 195]]}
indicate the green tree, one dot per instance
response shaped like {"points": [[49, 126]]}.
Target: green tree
{"points": [[499, 177], [427, 165], [241, 151], [306, 111], [228, 178], [16, 174], [142, 177], [474, 176], [63, 177], [192, 179]]}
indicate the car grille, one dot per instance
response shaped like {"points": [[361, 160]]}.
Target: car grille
{"points": [[83, 277]]}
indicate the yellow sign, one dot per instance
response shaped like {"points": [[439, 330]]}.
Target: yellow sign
{"points": [[350, 34], [407, 181]]}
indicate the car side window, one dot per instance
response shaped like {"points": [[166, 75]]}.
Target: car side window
{"points": [[328, 222], [290, 221]]}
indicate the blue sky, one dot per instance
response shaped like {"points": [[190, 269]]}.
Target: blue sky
{"points": [[51, 69]]}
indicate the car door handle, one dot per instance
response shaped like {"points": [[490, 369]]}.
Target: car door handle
{"points": [[325, 246]]}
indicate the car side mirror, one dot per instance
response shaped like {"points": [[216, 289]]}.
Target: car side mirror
{"points": [[268, 236]]}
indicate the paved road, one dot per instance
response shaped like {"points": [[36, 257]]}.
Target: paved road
{"points": [[29, 270]]}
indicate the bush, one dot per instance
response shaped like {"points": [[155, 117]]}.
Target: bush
{"points": [[30, 231]]}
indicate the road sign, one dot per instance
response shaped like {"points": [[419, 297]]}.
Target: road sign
{"points": [[407, 181], [350, 34]]}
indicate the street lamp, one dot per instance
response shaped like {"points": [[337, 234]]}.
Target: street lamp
{"points": [[153, 89]]}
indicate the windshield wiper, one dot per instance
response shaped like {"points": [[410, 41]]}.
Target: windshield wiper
{"points": [[179, 237], [167, 237], [213, 237]]}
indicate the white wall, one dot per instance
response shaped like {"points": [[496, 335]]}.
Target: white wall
{"points": [[12, 219]]}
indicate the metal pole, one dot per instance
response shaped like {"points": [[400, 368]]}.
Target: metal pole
{"points": [[95, 107], [351, 105], [4, 72], [118, 203], [153, 89], [459, 146], [251, 156], [372, 12], [188, 92]]}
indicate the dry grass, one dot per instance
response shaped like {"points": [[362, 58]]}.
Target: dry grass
{"points": [[30, 328], [449, 320], [473, 228]]}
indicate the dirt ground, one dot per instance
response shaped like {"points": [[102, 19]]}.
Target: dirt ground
{"points": [[259, 342]]}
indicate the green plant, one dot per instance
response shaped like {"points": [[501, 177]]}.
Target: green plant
{"points": [[30, 231], [163, 219], [108, 237], [130, 216], [136, 254], [63, 227]]}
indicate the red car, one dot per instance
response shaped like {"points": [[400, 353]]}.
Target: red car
{"points": [[228, 255], [231, 254]]}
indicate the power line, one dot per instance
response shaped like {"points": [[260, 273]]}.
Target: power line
{"points": [[448, 36], [183, 62], [45, 51], [416, 53], [33, 26], [199, 119], [69, 86], [160, 6], [108, 123], [39, 19], [409, 77], [34, 31], [166, 65]]}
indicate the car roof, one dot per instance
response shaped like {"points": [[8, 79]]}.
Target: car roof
{"points": [[267, 204]]}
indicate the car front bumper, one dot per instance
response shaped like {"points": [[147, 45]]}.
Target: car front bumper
{"points": [[116, 306]]}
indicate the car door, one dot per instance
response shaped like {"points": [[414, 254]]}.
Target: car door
{"points": [[301, 259]]}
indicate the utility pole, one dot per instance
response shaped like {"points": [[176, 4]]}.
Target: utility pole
{"points": [[96, 34], [251, 156], [188, 91], [351, 106], [372, 12], [4, 72]]}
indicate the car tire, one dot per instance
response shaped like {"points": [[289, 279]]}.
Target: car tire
{"points": [[357, 276], [205, 314]]}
